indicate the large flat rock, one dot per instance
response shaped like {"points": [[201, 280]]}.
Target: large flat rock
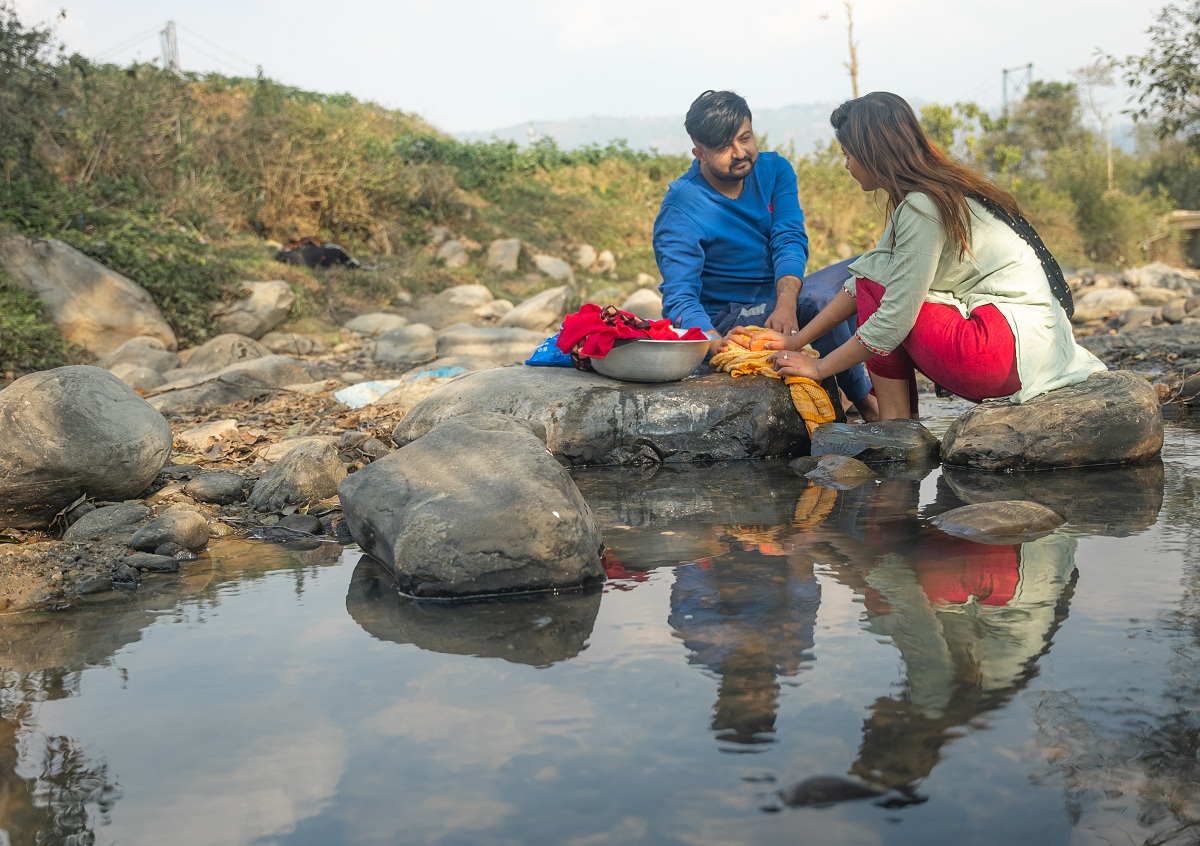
{"points": [[593, 420], [1112, 418]]}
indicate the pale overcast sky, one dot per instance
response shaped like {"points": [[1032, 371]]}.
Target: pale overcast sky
{"points": [[486, 64]]}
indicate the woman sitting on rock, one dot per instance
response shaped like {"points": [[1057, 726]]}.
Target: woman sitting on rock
{"points": [[951, 290]]}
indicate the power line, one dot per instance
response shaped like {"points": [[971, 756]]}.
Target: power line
{"points": [[220, 62], [124, 45], [217, 46], [157, 31]]}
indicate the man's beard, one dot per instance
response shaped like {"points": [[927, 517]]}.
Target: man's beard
{"points": [[730, 176]]}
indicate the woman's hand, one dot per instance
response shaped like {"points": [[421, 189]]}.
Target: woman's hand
{"points": [[792, 363]]}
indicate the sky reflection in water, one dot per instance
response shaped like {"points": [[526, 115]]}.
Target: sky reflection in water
{"points": [[764, 631]]}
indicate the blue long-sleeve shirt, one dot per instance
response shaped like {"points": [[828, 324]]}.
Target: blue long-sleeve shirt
{"points": [[712, 251]]}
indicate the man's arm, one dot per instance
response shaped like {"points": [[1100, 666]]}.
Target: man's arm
{"points": [[783, 318], [789, 247], [680, 258]]}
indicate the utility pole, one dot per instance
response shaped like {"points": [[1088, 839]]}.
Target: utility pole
{"points": [[1108, 149], [170, 48], [852, 65], [1023, 79]]}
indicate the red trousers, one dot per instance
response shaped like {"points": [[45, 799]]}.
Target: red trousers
{"points": [[973, 357]]}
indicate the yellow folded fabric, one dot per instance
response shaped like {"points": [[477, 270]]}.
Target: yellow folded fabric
{"points": [[810, 399]]}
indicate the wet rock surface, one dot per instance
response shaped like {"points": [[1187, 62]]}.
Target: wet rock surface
{"points": [[1001, 521], [887, 442]]}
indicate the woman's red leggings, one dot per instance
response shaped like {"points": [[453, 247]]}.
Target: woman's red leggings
{"points": [[973, 357]]}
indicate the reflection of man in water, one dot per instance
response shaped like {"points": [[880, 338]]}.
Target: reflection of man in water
{"points": [[748, 617]]}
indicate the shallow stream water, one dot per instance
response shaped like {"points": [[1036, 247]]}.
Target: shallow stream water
{"points": [[758, 632]]}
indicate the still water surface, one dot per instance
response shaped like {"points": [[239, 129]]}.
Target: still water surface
{"points": [[760, 631]]}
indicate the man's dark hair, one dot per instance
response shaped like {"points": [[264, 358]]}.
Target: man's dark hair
{"points": [[715, 117]]}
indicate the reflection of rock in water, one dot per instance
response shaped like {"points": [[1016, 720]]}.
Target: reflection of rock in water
{"points": [[1110, 501], [826, 790], [536, 629], [689, 499], [70, 641]]}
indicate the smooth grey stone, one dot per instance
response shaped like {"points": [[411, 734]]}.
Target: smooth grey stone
{"points": [[475, 506], [72, 432], [308, 473], [1112, 418], [591, 419], [219, 487], [888, 441], [1003, 521], [110, 520], [182, 526], [149, 562]]}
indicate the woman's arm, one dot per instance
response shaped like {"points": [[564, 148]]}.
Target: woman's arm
{"points": [[852, 352], [841, 307]]}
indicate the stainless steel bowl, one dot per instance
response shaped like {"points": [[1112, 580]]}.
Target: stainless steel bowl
{"points": [[644, 360]]}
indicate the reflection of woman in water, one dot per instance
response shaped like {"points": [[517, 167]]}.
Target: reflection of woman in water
{"points": [[749, 618], [969, 619]]}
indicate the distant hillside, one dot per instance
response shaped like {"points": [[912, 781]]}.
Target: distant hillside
{"points": [[805, 125]]}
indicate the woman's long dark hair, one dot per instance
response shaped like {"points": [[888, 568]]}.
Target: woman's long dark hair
{"points": [[881, 131]]}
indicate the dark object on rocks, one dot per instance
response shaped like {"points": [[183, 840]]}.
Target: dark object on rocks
{"points": [[124, 575], [1112, 418], [71, 432], [887, 442], [341, 533], [305, 523], [476, 506], [1003, 521], [314, 253]]}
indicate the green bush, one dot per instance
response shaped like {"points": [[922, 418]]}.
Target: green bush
{"points": [[29, 339], [180, 271]]}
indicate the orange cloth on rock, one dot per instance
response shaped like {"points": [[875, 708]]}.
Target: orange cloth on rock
{"points": [[810, 399]]}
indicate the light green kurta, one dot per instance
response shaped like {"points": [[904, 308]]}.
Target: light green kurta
{"points": [[1000, 269]]}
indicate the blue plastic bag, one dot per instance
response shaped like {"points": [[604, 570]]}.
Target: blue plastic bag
{"points": [[548, 354]]}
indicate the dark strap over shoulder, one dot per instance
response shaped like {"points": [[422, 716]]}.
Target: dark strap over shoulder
{"points": [[1054, 274]]}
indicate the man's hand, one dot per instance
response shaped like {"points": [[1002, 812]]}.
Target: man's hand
{"points": [[783, 318], [756, 339]]}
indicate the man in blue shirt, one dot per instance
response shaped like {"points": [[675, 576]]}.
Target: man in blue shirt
{"points": [[730, 241]]}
